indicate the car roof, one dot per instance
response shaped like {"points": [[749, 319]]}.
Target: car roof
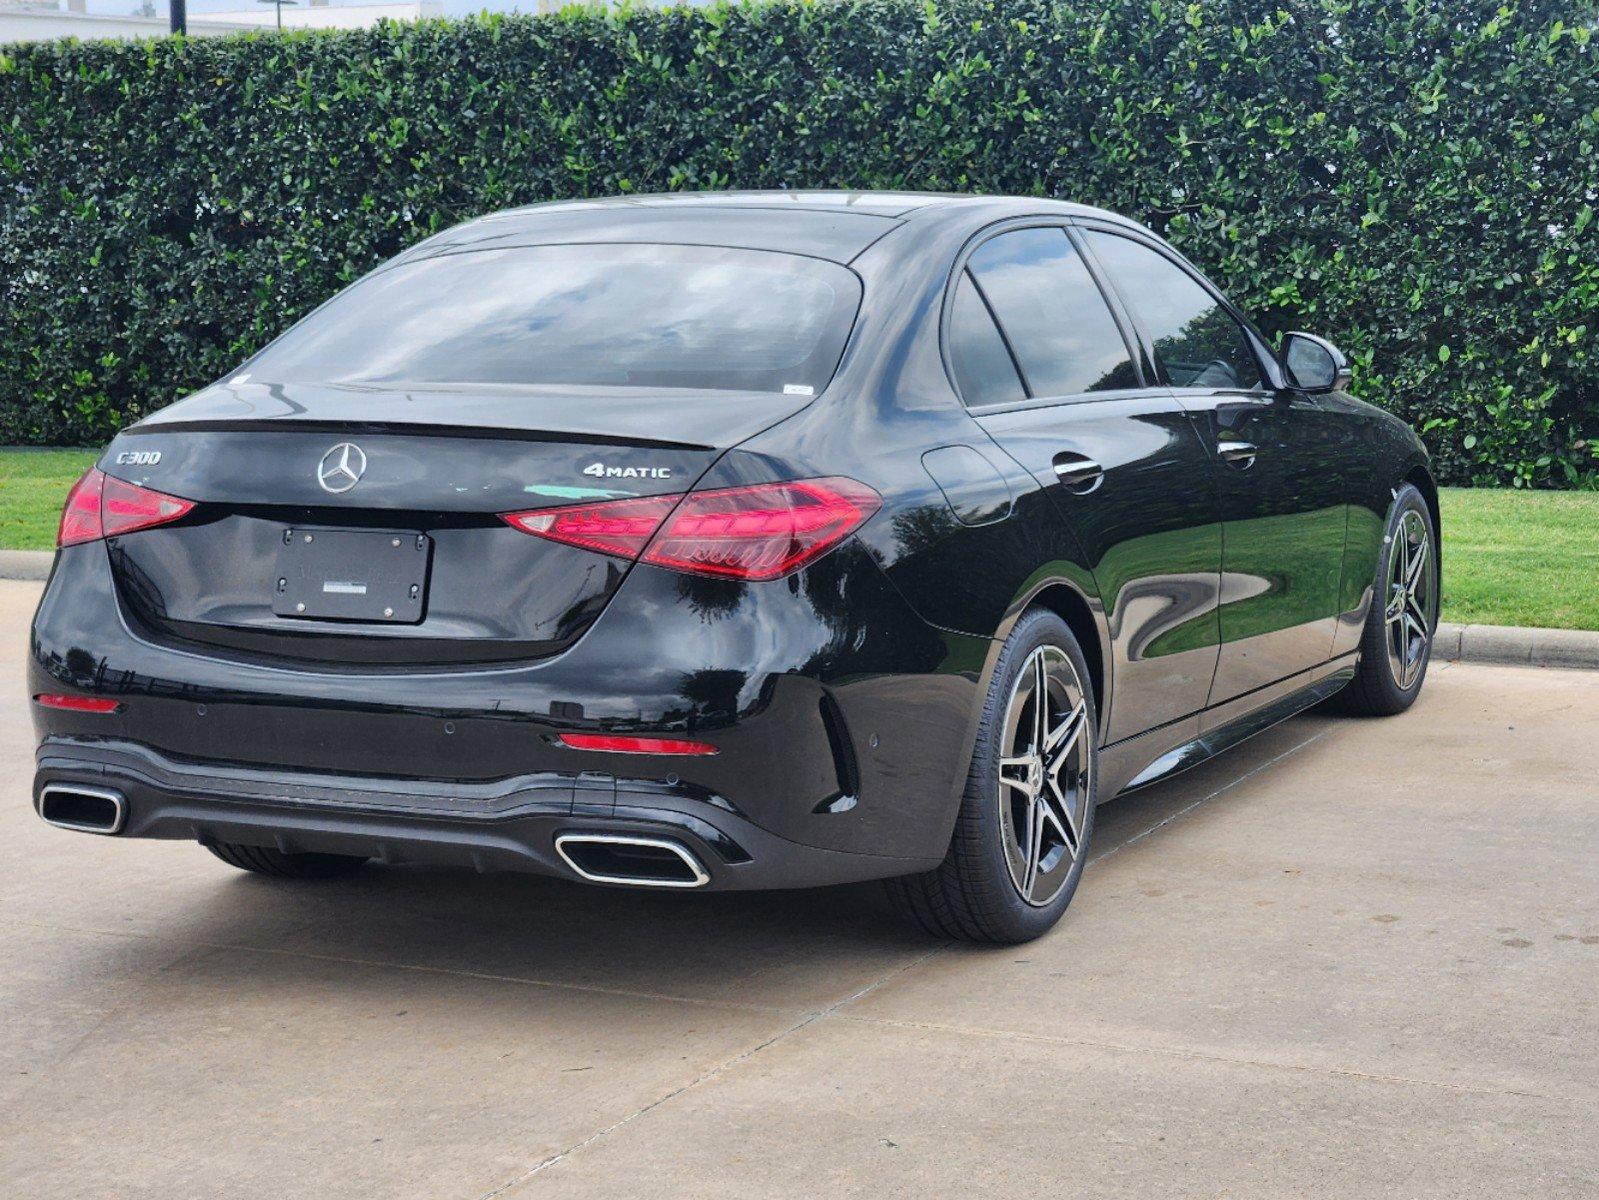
{"points": [[834, 225]]}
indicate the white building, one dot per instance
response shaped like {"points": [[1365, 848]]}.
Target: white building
{"points": [[40, 22]]}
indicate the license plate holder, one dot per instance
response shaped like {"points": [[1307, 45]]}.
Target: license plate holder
{"points": [[352, 575]]}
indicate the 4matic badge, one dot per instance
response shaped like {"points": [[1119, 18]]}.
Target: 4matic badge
{"points": [[601, 471]]}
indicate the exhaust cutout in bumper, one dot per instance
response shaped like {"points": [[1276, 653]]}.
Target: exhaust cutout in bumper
{"points": [[631, 861], [82, 808]]}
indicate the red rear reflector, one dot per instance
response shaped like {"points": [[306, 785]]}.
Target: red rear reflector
{"points": [[757, 533], [88, 704], [102, 506], [612, 744]]}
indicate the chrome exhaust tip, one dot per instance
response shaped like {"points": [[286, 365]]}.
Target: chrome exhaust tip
{"points": [[82, 808], [631, 861]]}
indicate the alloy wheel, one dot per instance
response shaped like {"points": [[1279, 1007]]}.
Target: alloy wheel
{"points": [[1408, 613], [1044, 775]]}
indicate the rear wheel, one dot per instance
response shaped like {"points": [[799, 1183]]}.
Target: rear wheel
{"points": [[1396, 645], [263, 860], [1022, 834]]}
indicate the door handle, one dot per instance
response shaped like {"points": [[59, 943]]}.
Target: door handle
{"points": [[1238, 455], [1078, 473]]}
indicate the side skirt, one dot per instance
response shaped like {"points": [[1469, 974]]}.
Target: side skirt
{"points": [[1161, 753]]}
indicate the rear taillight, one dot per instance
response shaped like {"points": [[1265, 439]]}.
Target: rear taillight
{"points": [[759, 532], [102, 506], [619, 527]]}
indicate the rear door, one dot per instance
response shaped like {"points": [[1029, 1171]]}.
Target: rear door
{"points": [[1045, 367], [1277, 457]]}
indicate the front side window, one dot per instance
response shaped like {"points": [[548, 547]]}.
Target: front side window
{"points": [[607, 316], [1057, 323], [1199, 343]]}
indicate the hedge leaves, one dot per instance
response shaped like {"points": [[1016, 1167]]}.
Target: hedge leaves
{"points": [[1415, 179]]}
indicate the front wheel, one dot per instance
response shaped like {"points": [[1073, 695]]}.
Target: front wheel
{"points": [[1021, 838], [1396, 645]]}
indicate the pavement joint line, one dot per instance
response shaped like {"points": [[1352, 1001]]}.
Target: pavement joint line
{"points": [[1203, 1056], [1188, 808], [421, 968], [705, 1076]]}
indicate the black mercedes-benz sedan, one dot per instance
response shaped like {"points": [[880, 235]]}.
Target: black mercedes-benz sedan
{"points": [[730, 541]]}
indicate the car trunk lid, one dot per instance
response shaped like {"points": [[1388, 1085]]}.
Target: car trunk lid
{"points": [[356, 546]]}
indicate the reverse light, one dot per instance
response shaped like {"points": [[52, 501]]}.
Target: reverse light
{"points": [[86, 704], [614, 744], [755, 533], [102, 506]]}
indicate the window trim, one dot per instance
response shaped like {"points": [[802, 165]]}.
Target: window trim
{"points": [[1265, 362], [964, 275], [1131, 339]]}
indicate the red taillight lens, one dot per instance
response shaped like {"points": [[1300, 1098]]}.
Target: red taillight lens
{"points": [[102, 506], [619, 527], [761, 532], [757, 533], [88, 704], [80, 518], [613, 744]]}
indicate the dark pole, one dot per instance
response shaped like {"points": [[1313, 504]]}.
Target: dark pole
{"points": [[180, 16]]}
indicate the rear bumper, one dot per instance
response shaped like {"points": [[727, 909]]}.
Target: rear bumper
{"points": [[842, 723], [506, 825]]}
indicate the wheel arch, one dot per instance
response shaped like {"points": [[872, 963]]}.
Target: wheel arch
{"points": [[1422, 478], [1071, 606]]}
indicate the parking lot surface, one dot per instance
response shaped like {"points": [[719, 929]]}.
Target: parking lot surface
{"points": [[1350, 959]]}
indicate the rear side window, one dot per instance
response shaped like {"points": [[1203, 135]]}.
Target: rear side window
{"points": [[1053, 315], [1199, 342], [610, 316], [983, 368]]}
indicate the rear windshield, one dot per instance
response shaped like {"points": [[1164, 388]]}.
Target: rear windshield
{"points": [[625, 316]]}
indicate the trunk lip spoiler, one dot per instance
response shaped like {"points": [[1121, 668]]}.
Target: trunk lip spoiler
{"points": [[408, 429]]}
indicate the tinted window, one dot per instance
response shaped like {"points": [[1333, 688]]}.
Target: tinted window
{"points": [[983, 367], [1198, 340], [1063, 335], [625, 316]]}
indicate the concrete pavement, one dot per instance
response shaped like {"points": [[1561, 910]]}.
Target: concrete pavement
{"points": [[1352, 958]]}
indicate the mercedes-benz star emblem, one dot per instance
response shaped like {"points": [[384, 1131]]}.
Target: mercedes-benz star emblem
{"points": [[341, 468]]}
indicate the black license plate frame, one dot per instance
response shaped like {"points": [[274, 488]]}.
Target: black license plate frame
{"points": [[368, 575]]}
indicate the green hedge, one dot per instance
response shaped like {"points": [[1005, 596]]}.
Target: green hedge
{"points": [[1413, 178]]}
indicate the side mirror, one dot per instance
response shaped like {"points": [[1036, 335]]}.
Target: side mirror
{"points": [[1314, 364]]}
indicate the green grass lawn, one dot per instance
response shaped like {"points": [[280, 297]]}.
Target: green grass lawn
{"points": [[1521, 558], [33, 483], [1510, 557]]}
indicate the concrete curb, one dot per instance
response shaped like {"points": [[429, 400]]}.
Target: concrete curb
{"points": [[1503, 644], [25, 564], [1516, 646]]}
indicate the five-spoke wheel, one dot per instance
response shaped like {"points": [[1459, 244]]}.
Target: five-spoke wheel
{"points": [[1044, 775], [1397, 639], [1411, 585], [1027, 815]]}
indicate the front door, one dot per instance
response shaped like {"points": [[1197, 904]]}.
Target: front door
{"points": [[1048, 372], [1276, 464]]}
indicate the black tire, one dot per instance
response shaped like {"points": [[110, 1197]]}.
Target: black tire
{"points": [[973, 894], [1375, 690], [263, 860]]}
